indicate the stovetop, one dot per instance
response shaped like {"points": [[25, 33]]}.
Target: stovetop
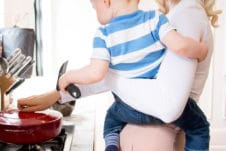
{"points": [[62, 142]]}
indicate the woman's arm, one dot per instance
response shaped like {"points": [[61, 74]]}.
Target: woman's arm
{"points": [[164, 97]]}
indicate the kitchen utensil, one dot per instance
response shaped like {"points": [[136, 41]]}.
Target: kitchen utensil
{"points": [[1, 45], [71, 88], [17, 64], [14, 85], [12, 56], [23, 64], [4, 66], [25, 69], [19, 127]]}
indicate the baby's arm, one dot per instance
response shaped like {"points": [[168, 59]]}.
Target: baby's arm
{"points": [[92, 73], [185, 46]]}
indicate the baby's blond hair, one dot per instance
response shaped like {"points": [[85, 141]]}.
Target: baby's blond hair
{"points": [[207, 5]]}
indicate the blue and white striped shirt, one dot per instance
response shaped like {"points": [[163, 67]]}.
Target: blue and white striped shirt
{"points": [[132, 43]]}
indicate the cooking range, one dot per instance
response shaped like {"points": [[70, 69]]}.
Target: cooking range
{"points": [[62, 142]]}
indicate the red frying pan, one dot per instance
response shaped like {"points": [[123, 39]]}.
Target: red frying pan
{"points": [[19, 127]]}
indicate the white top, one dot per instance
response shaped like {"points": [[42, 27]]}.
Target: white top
{"points": [[166, 96], [197, 28]]}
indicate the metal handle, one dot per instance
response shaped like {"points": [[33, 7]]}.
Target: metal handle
{"points": [[71, 88], [73, 91]]}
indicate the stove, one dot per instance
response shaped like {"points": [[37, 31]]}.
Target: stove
{"points": [[62, 142]]}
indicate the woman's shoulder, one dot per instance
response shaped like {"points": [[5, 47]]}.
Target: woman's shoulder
{"points": [[189, 13], [188, 7]]}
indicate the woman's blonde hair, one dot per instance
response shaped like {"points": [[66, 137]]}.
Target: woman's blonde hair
{"points": [[207, 5]]}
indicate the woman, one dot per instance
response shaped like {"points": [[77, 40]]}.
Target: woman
{"points": [[161, 88], [181, 13]]}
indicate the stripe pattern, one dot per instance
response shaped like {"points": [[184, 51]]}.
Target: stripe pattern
{"points": [[132, 43]]}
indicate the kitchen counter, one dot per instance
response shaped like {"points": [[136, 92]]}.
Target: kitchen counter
{"points": [[83, 115]]}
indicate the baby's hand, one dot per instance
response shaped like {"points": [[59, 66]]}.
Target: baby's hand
{"points": [[65, 80], [203, 52]]}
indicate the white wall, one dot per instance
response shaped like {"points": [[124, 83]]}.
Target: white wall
{"points": [[1, 13], [217, 106], [18, 12]]}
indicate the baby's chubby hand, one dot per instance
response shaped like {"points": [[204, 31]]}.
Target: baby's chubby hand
{"points": [[65, 80]]}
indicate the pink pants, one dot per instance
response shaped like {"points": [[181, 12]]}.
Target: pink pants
{"points": [[147, 138]]}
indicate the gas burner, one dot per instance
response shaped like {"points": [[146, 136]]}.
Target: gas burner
{"points": [[60, 143], [56, 144], [30, 148]]}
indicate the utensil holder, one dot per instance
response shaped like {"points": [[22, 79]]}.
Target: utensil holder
{"points": [[5, 82]]}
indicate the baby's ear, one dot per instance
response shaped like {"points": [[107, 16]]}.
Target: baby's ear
{"points": [[107, 3]]}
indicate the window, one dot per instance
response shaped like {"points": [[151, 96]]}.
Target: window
{"points": [[67, 31]]}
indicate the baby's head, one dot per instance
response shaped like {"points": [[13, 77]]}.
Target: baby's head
{"points": [[108, 9]]}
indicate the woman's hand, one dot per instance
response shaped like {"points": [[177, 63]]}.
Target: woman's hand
{"points": [[38, 102]]}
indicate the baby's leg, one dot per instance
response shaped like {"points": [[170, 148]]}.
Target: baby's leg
{"points": [[112, 128], [118, 115], [194, 122], [128, 114]]}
